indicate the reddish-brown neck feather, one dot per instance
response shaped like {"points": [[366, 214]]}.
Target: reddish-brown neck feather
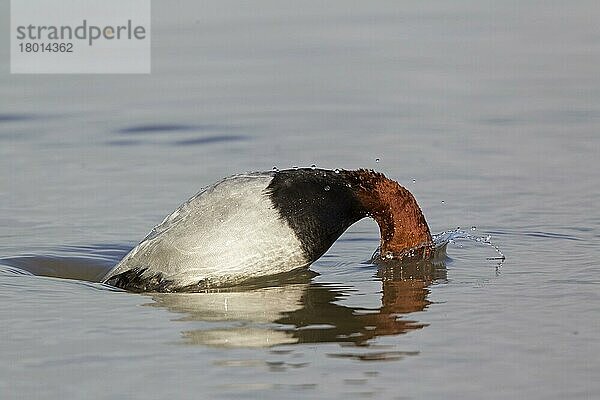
{"points": [[393, 207]]}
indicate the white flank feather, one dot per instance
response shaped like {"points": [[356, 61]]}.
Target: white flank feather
{"points": [[227, 233]]}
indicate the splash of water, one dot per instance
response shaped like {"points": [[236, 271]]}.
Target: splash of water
{"points": [[450, 236]]}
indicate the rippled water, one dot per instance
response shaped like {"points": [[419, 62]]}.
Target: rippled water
{"points": [[487, 111]]}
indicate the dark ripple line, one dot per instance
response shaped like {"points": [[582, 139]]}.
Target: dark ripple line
{"points": [[538, 234], [210, 140], [162, 128], [16, 117]]}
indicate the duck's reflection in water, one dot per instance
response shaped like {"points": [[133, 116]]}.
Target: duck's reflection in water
{"points": [[300, 311]]}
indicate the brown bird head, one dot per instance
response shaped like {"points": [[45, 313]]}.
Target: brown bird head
{"points": [[404, 231]]}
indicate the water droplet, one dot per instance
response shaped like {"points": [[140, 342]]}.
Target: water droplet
{"points": [[377, 160], [327, 188], [414, 181], [443, 202], [473, 228], [313, 166], [275, 168], [295, 167], [337, 171]]}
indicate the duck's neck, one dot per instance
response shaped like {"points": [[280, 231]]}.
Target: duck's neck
{"points": [[393, 207]]}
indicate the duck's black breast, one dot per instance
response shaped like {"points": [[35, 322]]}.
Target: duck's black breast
{"points": [[319, 205]]}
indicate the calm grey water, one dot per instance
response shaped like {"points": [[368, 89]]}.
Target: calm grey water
{"points": [[493, 108]]}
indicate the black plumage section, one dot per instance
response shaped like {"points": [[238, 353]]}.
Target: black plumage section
{"points": [[319, 205], [133, 281]]}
